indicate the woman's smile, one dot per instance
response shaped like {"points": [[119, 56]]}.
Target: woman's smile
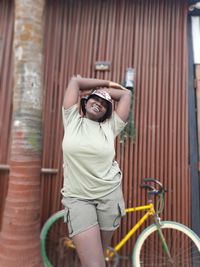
{"points": [[95, 108]]}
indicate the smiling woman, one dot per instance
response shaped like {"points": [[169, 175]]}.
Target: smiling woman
{"points": [[92, 193]]}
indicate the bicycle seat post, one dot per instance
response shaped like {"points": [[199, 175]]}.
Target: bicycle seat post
{"points": [[149, 198]]}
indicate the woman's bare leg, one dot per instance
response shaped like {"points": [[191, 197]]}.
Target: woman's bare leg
{"points": [[89, 247], [106, 237]]}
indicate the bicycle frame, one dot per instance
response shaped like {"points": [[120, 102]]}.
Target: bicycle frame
{"points": [[150, 211]]}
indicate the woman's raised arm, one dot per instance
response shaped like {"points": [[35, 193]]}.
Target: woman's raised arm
{"points": [[123, 97], [76, 85]]}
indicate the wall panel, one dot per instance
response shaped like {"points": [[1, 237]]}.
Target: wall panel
{"points": [[150, 36]]}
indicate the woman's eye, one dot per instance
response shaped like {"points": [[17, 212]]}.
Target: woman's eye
{"points": [[101, 101]]}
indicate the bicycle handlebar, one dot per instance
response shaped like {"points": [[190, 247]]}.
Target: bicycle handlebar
{"points": [[151, 188]]}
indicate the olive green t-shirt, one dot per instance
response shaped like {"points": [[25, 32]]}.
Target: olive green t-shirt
{"points": [[90, 169]]}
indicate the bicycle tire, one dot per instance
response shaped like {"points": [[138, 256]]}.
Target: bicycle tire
{"points": [[183, 243], [56, 248]]}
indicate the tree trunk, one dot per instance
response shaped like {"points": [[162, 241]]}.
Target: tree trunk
{"points": [[19, 238]]}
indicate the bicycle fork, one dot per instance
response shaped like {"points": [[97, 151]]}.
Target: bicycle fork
{"points": [[163, 240]]}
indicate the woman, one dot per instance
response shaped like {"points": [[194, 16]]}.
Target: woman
{"points": [[92, 192]]}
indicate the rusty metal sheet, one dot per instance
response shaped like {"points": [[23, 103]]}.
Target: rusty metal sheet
{"points": [[150, 36]]}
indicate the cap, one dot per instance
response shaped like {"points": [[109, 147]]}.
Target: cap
{"points": [[103, 94]]}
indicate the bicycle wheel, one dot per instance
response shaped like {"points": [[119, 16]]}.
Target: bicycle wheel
{"points": [[183, 244], [57, 249]]}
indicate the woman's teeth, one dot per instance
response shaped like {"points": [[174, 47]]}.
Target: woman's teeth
{"points": [[96, 108]]}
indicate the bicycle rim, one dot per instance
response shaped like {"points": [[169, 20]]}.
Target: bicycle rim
{"points": [[183, 244], [57, 248]]}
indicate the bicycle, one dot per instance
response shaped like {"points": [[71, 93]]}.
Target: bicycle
{"points": [[163, 243]]}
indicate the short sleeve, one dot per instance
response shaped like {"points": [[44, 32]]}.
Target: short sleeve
{"points": [[70, 115], [117, 123]]}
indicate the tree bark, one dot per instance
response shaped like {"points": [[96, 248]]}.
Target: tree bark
{"points": [[19, 237]]}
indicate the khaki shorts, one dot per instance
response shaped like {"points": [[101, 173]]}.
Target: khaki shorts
{"points": [[82, 214]]}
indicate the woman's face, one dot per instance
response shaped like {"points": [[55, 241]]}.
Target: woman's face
{"points": [[96, 108]]}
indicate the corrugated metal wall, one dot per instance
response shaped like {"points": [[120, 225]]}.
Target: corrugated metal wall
{"points": [[149, 35], [6, 84]]}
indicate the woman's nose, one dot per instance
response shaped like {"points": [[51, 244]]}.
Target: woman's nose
{"points": [[97, 102]]}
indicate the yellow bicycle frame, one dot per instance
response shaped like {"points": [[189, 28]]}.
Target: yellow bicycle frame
{"points": [[150, 211]]}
